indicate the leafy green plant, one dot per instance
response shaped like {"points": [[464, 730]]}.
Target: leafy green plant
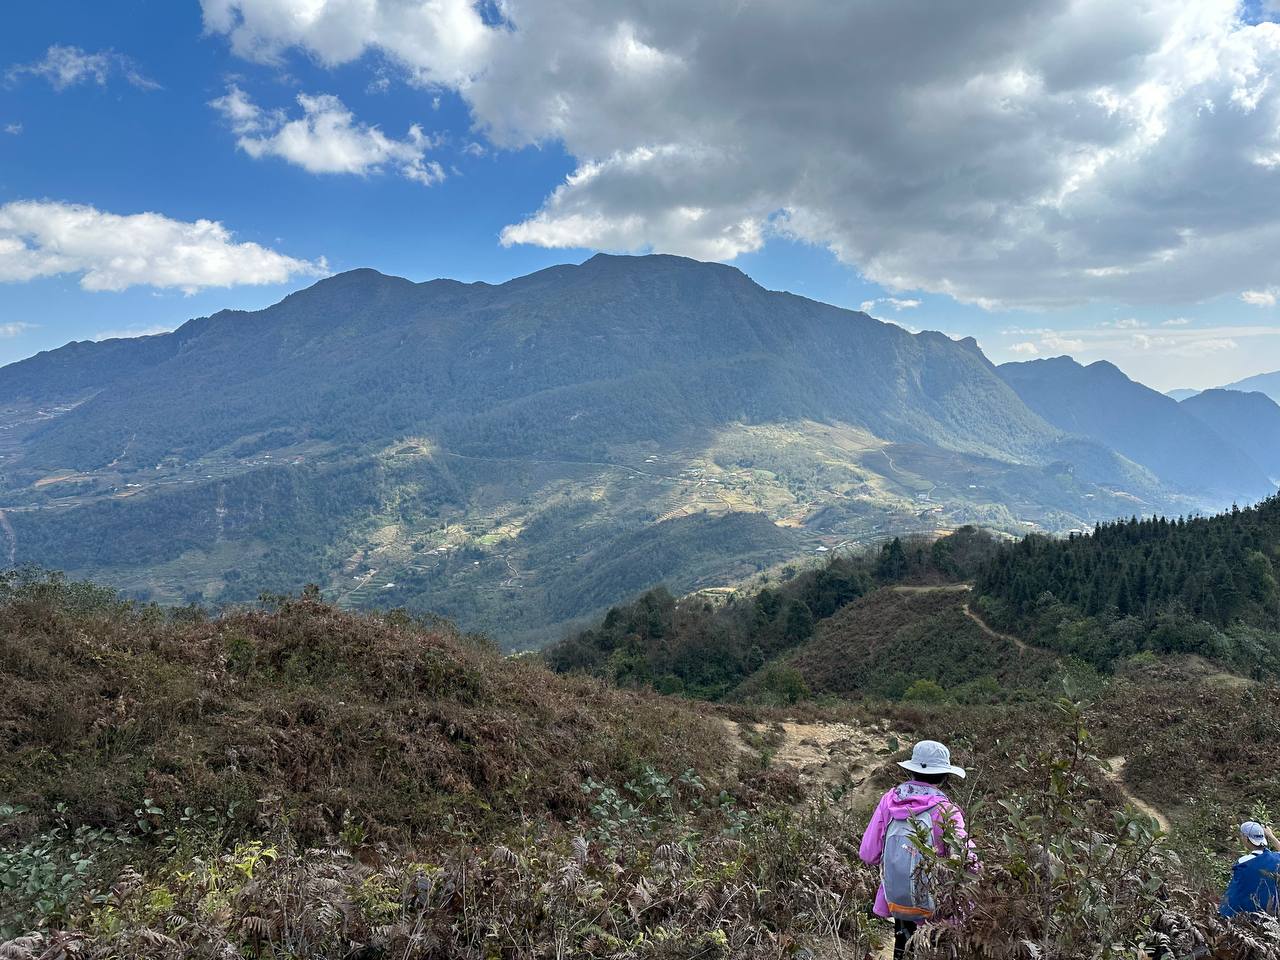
{"points": [[42, 878]]}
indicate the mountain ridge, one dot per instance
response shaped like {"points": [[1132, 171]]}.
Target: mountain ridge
{"points": [[1099, 401], [476, 449], [1268, 383]]}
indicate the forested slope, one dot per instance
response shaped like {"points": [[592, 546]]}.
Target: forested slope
{"points": [[710, 646], [1202, 585]]}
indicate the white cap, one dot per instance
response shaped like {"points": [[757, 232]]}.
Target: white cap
{"points": [[929, 756], [1254, 832]]}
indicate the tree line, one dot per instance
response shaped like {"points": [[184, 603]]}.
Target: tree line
{"points": [[1203, 585]]}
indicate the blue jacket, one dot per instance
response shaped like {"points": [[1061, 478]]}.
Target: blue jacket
{"points": [[1253, 885]]}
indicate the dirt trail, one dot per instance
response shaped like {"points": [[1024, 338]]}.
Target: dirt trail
{"points": [[825, 756], [994, 634], [968, 610], [1114, 770]]}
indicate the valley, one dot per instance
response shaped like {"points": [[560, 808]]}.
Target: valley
{"points": [[822, 487]]}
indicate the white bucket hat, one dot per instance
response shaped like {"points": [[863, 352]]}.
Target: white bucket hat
{"points": [[929, 756]]}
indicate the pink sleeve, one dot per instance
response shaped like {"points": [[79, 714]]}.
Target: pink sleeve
{"points": [[872, 848]]}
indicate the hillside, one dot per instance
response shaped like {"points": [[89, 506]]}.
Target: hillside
{"points": [[1199, 585], [491, 452], [1099, 402], [297, 781], [837, 627], [1268, 383], [912, 643], [304, 702], [1249, 421]]}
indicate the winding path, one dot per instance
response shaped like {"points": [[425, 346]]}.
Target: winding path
{"points": [[1114, 771]]}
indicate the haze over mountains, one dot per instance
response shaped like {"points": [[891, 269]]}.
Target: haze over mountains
{"points": [[524, 454], [1264, 383], [1183, 449], [1268, 383]]}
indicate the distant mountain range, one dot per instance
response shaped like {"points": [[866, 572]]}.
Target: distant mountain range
{"points": [[1266, 383], [1185, 449], [522, 455]]}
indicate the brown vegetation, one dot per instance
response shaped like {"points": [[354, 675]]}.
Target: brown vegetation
{"points": [[401, 724]]}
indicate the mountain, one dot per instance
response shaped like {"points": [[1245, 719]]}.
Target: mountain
{"points": [[616, 350], [1099, 402], [1181, 394], [1268, 383], [492, 452], [1250, 421]]}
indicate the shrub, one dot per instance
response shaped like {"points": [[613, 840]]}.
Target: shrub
{"points": [[925, 691]]}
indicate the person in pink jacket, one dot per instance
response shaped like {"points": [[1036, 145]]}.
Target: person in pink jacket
{"points": [[921, 796]]}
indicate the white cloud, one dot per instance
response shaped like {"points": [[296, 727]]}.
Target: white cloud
{"points": [[43, 238], [327, 138], [13, 128], [67, 66], [1005, 156], [1178, 347], [1057, 343], [131, 332], [11, 330], [1260, 298], [893, 302], [1128, 323], [1175, 322], [1174, 340], [434, 41]]}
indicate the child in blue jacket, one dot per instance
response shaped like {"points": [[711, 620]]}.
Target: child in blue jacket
{"points": [[1253, 878]]}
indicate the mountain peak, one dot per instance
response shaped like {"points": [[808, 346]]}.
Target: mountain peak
{"points": [[656, 262], [355, 277]]}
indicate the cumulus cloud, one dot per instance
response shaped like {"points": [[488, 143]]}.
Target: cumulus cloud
{"points": [[44, 238], [1175, 322], [1025, 349], [892, 302], [13, 128], [10, 330], [433, 41], [67, 66], [327, 138], [1018, 152], [1260, 298]]}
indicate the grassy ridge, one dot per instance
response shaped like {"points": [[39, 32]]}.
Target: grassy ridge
{"points": [[401, 724]]}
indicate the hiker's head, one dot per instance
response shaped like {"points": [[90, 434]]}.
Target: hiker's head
{"points": [[931, 763], [1253, 835]]}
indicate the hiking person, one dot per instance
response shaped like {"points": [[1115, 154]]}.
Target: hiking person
{"points": [[917, 806], [1253, 878]]}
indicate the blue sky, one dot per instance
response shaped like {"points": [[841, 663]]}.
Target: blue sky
{"points": [[1012, 188]]}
